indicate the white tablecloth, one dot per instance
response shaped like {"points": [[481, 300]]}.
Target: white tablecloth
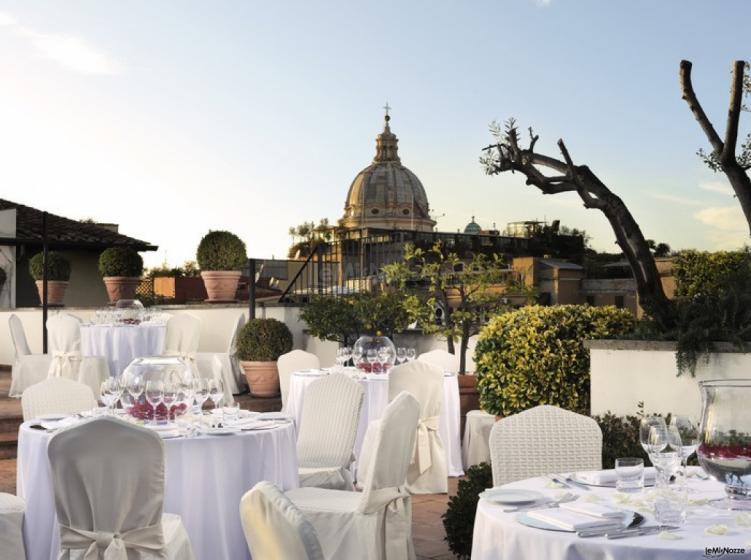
{"points": [[121, 344], [205, 478], [498, 536], [374, 402]]}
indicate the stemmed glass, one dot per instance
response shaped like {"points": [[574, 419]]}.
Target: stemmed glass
{"points": [[216, 393], [200, 393], [645, 431], [357, 356], [411, 354], [184, 397], [372, 357], [169, 398], [384, 356], [688, 432], [346, 355], [110, 393], [401, 355], [664, 451], [154, 393]]}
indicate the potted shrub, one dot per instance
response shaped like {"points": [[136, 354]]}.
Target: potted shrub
{"points": [[58, 274], [220, 256], [259, 345], [121, 269]]}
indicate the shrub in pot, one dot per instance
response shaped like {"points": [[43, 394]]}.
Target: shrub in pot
{"points": [[58, 275], [259, 345], [121, 268], [220, 256]]}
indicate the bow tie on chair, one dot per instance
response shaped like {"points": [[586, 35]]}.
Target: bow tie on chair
{"points": [[115, 545], [422, 457], [60, 359]]}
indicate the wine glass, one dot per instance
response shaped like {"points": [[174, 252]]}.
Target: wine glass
{"points": [[216, 393], [126, 400], [184, 397], [688, 430], [346, 354], [411, 354], [401, 355], [372, 357], [357, 356], [200, 393], [154, 393], [169, 398], [645, 430], [104, 395]]}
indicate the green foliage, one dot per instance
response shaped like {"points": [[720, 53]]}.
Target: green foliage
{"points": [[58, 267], [704, 273], [263, 340], [343, 319], [620, 438], [221, 250], [459, 519], [120, 261], [535, 355], [307, 236], [467, 291]]}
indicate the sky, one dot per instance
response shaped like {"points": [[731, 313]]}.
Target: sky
{"points": [[172, 118]]}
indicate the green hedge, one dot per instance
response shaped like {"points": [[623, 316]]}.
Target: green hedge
{"points": [[263, 340], [536, 355], [221, 250], [58, 267], [120, 261], [704, 273]]}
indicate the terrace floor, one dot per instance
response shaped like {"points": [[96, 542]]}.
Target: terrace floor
{"points": [[427, 528]]}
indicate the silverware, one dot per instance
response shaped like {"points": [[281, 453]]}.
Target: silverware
{"points": [[558, 480], [600, 531], [640, 531], [577, 484], [545, 504]]}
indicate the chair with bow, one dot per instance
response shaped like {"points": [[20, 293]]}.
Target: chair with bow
{"points": [[229, 366], [377, 523], [182, 338], [275, 528], [28, 368], [291, 362], [543, 440], [326, 435], [11, 527], [447, 362], [108, 479], [428, 471], [56, 395], [64, 335]]}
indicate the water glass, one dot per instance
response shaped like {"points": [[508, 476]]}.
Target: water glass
{"points": [[666, 464], [630, 473], [671, 504], [230, 414]]}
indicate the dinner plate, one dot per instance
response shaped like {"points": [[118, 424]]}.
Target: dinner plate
{"points": [[647, 483], [50, 418], [508, 496], [171, 426], [171, 434], [632, 518], [225, 431]]}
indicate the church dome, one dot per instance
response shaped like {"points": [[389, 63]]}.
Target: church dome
{"points": [[473, 227], [387, 195]]}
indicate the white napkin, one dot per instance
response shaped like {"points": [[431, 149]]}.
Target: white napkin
{"points": [[608, 476], [58, 424], [601, 511], [568, 520], [274, 416]]}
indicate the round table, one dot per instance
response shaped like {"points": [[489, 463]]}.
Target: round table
{"points": [[205, 477], [375, 399], [121, 344], [498, 536]]}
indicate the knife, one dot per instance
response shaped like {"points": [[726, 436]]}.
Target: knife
{"points": [[577, 484], [640, 531]]}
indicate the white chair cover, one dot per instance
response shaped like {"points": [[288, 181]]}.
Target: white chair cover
{"points": [[428, 471], [330, 417], [56, 395], [448, 363], [28, 368], [543, 440], [231, 373], [475, 446], [290, 362], [377, 523], [11, 527], [108, 478], [275, 528], [182, 338], [64, 338]]}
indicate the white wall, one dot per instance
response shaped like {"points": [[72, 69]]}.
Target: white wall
{"points": [[623, 373]]}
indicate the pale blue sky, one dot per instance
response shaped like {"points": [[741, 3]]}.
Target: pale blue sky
{"points": [[171, 118]]}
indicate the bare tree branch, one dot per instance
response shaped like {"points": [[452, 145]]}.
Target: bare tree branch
{"points": [[689, 96], [734, 112]]}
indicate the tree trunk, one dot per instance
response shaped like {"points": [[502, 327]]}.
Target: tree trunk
{"points": [[463, 351]]}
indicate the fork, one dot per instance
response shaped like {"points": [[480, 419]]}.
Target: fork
{"points": [[549, 503]]}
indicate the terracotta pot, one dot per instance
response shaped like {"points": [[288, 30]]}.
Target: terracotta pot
{"points": [[263, 378], [221, 285], [121, 287], [55, 291]]}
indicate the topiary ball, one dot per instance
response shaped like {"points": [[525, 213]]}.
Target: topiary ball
{"points": [[120, 261], [221, 250], [263, 340], [58, 267]]}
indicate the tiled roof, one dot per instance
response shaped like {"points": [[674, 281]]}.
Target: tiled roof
{"points": [[71, 233]]}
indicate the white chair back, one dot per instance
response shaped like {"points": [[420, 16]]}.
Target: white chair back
{"points": [[183, 335], [56, 395], [108, 478], [275, 528], [328, 426], [239, 324], [448, 363], [390, 442], [543, 440], [291, 362], [11, 527], [64, 338], [18, 335]]}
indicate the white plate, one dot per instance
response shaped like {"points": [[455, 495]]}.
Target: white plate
{"points": [[525, 519], [227, 431], [171, 426], [172, 434], [508, 496], [648, 483], [49, 418], [273, 416]]}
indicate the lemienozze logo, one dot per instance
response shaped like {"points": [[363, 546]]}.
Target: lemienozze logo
{"points": [[721, 551]]}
